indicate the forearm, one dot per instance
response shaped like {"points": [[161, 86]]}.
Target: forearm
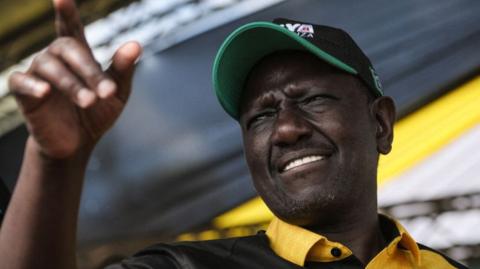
{"points": [[39, 230]]}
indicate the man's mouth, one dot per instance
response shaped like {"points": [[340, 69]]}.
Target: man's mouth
{"points": [[297, 162]]}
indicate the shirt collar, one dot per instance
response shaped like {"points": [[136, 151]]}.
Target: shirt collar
{"points": [[298, 245], [403, 240]]}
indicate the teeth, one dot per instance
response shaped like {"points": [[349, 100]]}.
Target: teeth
{"points": [[302, 161]]}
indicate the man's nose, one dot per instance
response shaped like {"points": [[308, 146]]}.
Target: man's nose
{"points": [[290, 128]]}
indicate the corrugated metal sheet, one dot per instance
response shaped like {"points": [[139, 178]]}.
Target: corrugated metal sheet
{"points": [[454, 170]]}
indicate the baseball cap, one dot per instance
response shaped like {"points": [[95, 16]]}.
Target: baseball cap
{"points": [[248, 44]]}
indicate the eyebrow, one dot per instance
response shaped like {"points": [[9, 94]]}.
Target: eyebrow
{"points": [[295, 90], [266, 100]]}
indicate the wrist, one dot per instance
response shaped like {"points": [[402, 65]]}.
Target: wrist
{"points": [[78, 158]]}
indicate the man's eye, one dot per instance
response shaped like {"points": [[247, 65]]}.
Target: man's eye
{"points": [[319, 98], [259, 118]]}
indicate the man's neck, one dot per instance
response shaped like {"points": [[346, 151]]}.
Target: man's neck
{"points": [[361, 234]]}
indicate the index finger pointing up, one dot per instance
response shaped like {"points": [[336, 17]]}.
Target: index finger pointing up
{"points": [[67, 20]]}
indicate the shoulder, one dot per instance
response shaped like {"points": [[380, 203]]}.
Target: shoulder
{"points": [[221, 253], [220, 247], [432, 258]]}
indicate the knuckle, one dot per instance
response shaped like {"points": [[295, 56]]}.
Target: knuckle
{"points": [[13, 80], [94, 75], [46, 64], [59, 44], [39, 60], [68, 84], [35, 61], [65, 40]]}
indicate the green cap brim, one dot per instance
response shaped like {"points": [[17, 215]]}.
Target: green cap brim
{"points": [[245, 47]]}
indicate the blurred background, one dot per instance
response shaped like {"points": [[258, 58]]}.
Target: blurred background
{"points": [[172, 168]]}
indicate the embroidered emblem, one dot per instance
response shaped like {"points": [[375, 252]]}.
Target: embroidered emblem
{"points": [[303, 30]]}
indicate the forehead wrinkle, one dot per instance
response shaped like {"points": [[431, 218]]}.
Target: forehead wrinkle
{"points": [[275, 82], [293, 89], [266, 100], [271, 97], [278, 73]]}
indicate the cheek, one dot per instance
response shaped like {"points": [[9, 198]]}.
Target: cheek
{"points": [[351, 132], [356, 143], [354, 125], [256, 154], [362, 137]]}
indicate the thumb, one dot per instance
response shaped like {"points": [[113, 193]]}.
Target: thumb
{"points": [[123, 66]]}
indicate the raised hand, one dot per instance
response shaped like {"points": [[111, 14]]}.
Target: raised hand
{"points": [[68, 103], [67, 100]]}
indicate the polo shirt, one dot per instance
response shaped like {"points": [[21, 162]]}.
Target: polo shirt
{"points": [[285, 246], [301, 246]]}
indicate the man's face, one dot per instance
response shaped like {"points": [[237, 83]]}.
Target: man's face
{"points": [[309, 138]]}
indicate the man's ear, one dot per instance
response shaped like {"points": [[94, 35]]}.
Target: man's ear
{"points": [[383, 110]]}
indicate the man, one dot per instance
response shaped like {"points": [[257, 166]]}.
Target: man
{"points": [[313, 118]]}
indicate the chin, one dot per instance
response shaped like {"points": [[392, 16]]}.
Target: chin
{"points": [[310, 208]]}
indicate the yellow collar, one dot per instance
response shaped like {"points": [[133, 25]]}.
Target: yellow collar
{"points": [[298, 245]]}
